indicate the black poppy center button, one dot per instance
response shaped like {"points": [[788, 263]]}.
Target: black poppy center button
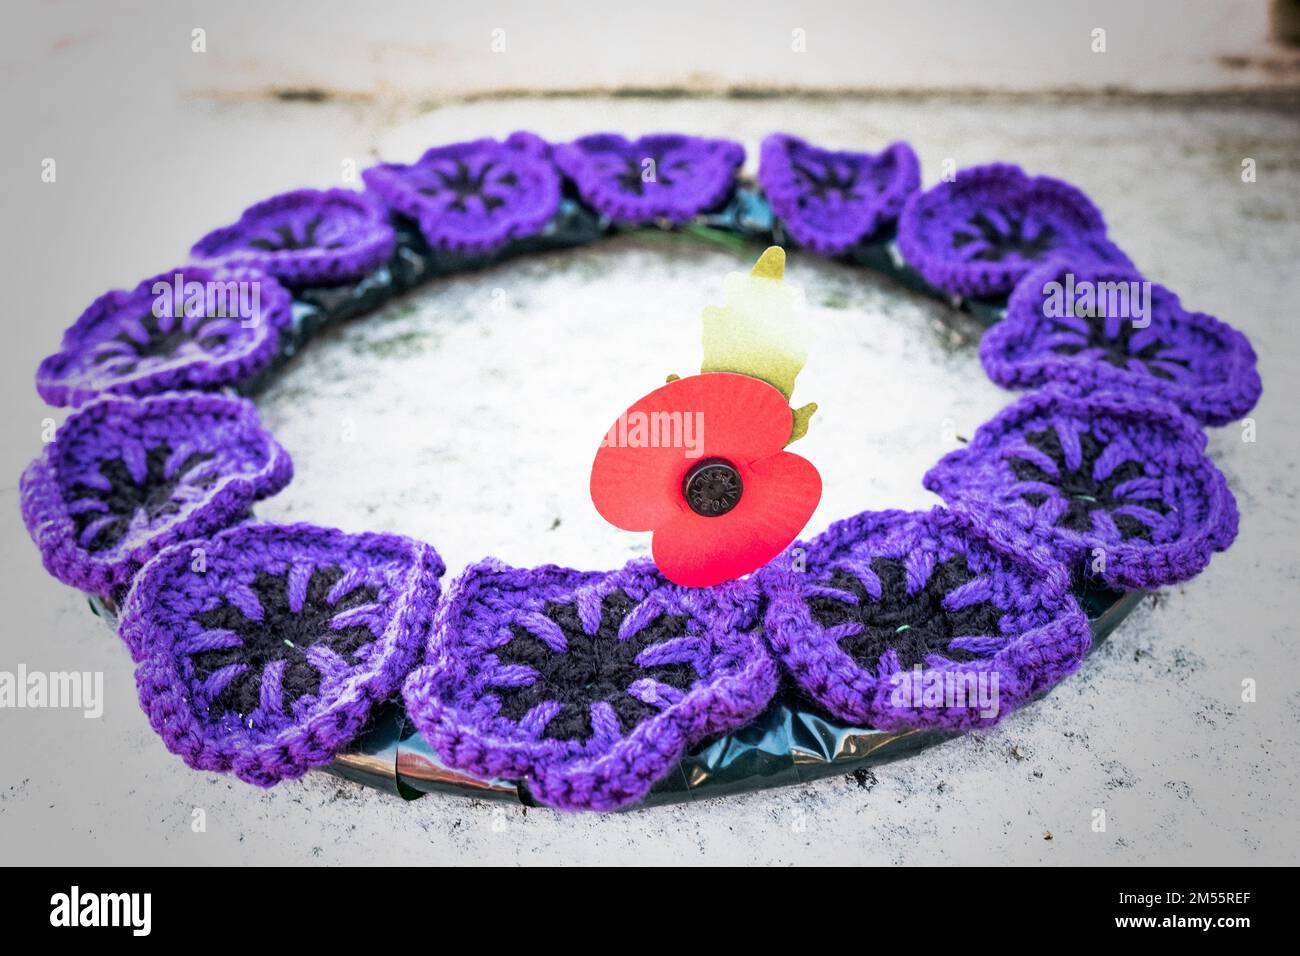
{"points": [[713, 487]]}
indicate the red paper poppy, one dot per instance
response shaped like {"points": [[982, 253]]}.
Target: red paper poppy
{"points": [[700, 463]]}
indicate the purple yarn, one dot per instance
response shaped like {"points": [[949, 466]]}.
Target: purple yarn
{"points": [[473, 197], [663, 176], [635, 669], [310, 626], [1204, 366], [1118, 485], [124, 478], [147, 341], [829, 201], [979, 235], [883, 593], [305, 237]]}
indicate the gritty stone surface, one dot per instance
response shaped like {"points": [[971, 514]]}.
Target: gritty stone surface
{"points": [[467, 414]]}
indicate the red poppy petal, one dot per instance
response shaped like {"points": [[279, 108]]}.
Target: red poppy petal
{"points": [[744, 419], [633, 488], [780, 494], [636, 479]]}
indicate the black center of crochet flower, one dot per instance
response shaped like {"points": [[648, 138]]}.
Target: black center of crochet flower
{"points": [[712, 488], [1078, 486], [596, 667], [912, 625], [465, 184], [985, 240], [281, 635], [286, 239], [637, 172], [821, 182], [126, 350], [125, 497], [1118, 350]]}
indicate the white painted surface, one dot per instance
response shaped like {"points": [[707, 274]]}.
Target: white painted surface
{"points": [[431, 51]]}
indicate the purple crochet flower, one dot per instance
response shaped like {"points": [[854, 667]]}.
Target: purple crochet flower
{"points": [[124, 478], [473, 197], [979, 235], [305, 237], [588, 686], [918, 619], [661, 176], [1118, 484], [194, 327], [264, 650], [830, 201], [1090, 328]]}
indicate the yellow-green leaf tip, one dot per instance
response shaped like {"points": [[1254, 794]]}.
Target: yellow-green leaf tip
{"points": [[771, 264], [799, 419]]}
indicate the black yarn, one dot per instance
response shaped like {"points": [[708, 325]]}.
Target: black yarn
{"points": [[631, 178], [124, 497], [1001, 245], [1084, 493], [286, 239], [467, 184], [913, 625], [597, 667], [834, 179], [281, 635], [160, 342], [1118, 351]]}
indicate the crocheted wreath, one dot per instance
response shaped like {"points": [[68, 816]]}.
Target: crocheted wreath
{"points": [[587, 686], [1202, 365], [1114, 478], [305, 237], [266, 650], [193, 327], [979, 234], [891, 603]]}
